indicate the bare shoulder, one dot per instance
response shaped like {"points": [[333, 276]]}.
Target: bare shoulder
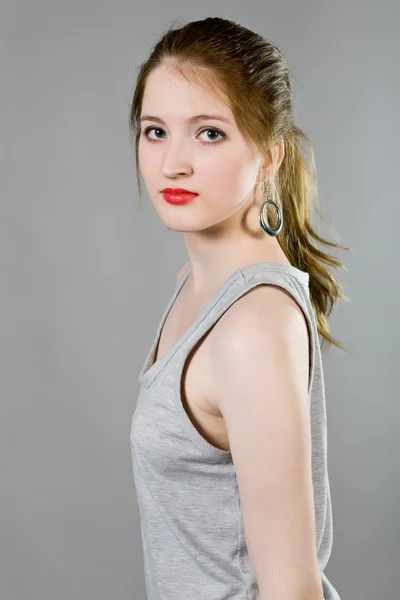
{"points": [[182, 270], [264, 333], [264, 308]]}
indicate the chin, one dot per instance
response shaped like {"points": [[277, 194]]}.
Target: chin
{"points": [[180, 227], [179, 220], [179, 223]]}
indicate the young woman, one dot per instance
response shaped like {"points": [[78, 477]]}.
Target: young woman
{"points": [[229, 437]]}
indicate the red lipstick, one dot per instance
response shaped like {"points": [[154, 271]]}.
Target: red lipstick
{"points": [[178, 195]]}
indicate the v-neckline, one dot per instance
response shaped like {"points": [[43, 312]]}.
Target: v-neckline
{"points": [[150, 365]]}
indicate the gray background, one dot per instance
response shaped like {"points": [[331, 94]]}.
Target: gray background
{"points": [[86, 275]]}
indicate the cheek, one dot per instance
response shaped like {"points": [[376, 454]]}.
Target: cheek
{"points": [[228, 182], [144, 161], [148, 162]]}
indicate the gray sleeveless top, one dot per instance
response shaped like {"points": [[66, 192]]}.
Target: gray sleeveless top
{"points": [[192, 531]]}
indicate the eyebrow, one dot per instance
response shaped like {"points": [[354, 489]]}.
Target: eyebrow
{"points": [[190, 120]]}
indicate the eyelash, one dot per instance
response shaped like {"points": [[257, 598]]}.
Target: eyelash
{"points": [[223, 135]]}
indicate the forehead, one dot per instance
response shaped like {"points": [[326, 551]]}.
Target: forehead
{"points": [[170, 96]]}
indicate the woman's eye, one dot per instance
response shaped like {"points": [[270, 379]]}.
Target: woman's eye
{"points": [[147, 131], [212, 141], [214, 131]]}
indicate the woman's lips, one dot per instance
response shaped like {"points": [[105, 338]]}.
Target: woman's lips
{"points": [[178, 198]]}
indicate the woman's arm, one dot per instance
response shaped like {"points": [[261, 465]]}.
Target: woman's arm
{"points": [[260, 379]]}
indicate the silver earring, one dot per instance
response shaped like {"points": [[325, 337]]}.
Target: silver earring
{"points": [[271, 230]]}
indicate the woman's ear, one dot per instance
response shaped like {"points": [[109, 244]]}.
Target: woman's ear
{"points": [[272, 161]]}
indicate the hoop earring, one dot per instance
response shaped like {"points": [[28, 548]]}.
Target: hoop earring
{"points": [[271, 230]]}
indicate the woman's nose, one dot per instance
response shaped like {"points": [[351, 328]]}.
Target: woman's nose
{"points": [[176, 161]]}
